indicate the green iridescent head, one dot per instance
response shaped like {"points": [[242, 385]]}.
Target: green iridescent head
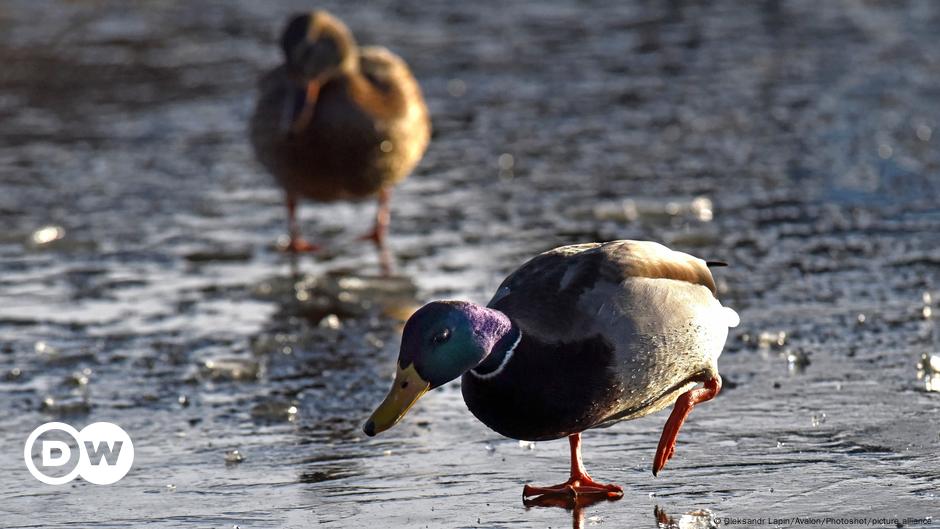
{"points": [[440, 342]]}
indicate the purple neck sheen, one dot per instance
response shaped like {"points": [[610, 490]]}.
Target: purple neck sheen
{"points": [[488, 325], [482, 329]]}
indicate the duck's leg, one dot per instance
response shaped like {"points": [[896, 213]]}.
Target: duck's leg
{"points": [[297, 244], [684, 405], [383, 217], [579, 482]]}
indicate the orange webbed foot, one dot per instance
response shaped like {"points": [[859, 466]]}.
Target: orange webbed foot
{"points": [[574, 487]]}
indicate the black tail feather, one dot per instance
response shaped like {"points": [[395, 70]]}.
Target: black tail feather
{"points": [[712, 264]]}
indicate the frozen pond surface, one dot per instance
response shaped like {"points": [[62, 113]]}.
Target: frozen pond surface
{"points": [[139, 283]]}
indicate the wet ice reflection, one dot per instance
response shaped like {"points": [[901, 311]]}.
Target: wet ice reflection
{"points": [[136, 234], [697, 519], [928, 370], [577, 505]]}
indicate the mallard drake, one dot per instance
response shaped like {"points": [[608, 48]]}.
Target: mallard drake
{"points": [[337, 121], [579, 337]]}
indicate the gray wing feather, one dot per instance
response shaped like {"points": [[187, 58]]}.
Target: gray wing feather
{"points": [[655, 306]]}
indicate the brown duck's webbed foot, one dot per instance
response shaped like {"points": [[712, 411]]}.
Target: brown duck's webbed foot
{"points": [[296, 244], [383, 217], [376, 235], [580, 483], [684, 405], [299, 245]]}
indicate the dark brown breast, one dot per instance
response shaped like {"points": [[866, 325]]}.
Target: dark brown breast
{"points": [[368, 131]]}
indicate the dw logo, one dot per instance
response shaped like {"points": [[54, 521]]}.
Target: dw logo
{"points": [[102, 453]]}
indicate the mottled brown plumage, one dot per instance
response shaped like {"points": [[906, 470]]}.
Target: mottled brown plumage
{"points": [[336, 121]]}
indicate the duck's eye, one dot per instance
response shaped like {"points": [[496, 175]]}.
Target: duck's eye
{"points": [[441, 337]]}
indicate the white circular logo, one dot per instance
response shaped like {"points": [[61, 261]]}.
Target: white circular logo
{"points": [[105, 453]]}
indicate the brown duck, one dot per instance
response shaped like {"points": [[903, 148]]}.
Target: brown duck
{"points": [[337, 121]]}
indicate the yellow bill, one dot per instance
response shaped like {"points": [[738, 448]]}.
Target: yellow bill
{"points": [[406, 390]]}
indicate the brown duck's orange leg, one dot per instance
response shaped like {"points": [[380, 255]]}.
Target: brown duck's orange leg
{"points": [[296, 244], [579, 483], [684, 405], [383, 216]]}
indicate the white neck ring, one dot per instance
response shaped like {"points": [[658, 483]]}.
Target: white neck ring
{"points": [[502, 365]]}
